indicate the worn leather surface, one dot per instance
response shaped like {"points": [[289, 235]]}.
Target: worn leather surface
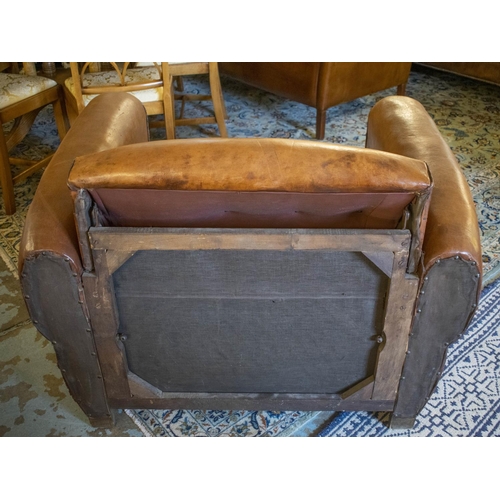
{"points": [[264, 183], [319, 84], [398, 125], [50, 225], [296, 81], [247, 209], [343, 82], [402, 126], [249, 165]]}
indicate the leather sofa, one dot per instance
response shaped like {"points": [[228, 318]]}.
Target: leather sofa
{"points": [[320, 84], [484, 71], [248, 273]]}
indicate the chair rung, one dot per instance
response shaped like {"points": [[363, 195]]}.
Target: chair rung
{"points": [[21, 161], [194, 121], [193, 97], [157, 124], [188, 69], [120, 88], [32, 169], [184, 121]]}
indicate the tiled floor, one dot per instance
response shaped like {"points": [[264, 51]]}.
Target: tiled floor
{"points": [[34, 400]]}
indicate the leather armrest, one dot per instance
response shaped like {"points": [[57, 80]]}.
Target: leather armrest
{"points": [[109, 121], [451, 265], [401, 125]]}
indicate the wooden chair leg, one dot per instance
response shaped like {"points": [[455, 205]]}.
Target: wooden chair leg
{"points": [[106, 421], [220, 92], [216, 91], [21, 127], [320, 124], [6, 178], [169, 108], [72, 116], [61, 117], [179, 83], [401, 90], [70, 107]]}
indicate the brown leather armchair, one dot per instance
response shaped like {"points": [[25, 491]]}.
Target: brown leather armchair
{"points": [[320, 84], [247, 273]]}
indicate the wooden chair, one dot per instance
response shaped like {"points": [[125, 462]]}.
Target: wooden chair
{"points": [[176, 70], [146, 82], [90, 79], [22, 96]]}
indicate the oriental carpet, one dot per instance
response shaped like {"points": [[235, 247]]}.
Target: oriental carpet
{"points": [[466, 402]]}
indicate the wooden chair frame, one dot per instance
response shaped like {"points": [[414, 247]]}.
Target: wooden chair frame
{"points": [[75, 103], [178, 70], [106, 249], [24, 114], [169, 73]]}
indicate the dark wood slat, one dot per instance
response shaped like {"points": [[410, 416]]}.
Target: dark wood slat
{"points": [[82, 215], [383, 260], [397, 325], [276, 402], [100, 299]]}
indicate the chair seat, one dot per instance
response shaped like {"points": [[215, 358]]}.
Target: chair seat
{"points": [[15, 88], [108, 78]]}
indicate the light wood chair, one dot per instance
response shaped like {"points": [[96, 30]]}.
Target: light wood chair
{"points": [[88, 80], [176, 70], [146, 81], [22, 96]]}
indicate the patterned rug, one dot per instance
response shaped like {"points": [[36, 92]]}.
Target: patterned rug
{"points": [[198, 423], [468, 115], [466, 401]]}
